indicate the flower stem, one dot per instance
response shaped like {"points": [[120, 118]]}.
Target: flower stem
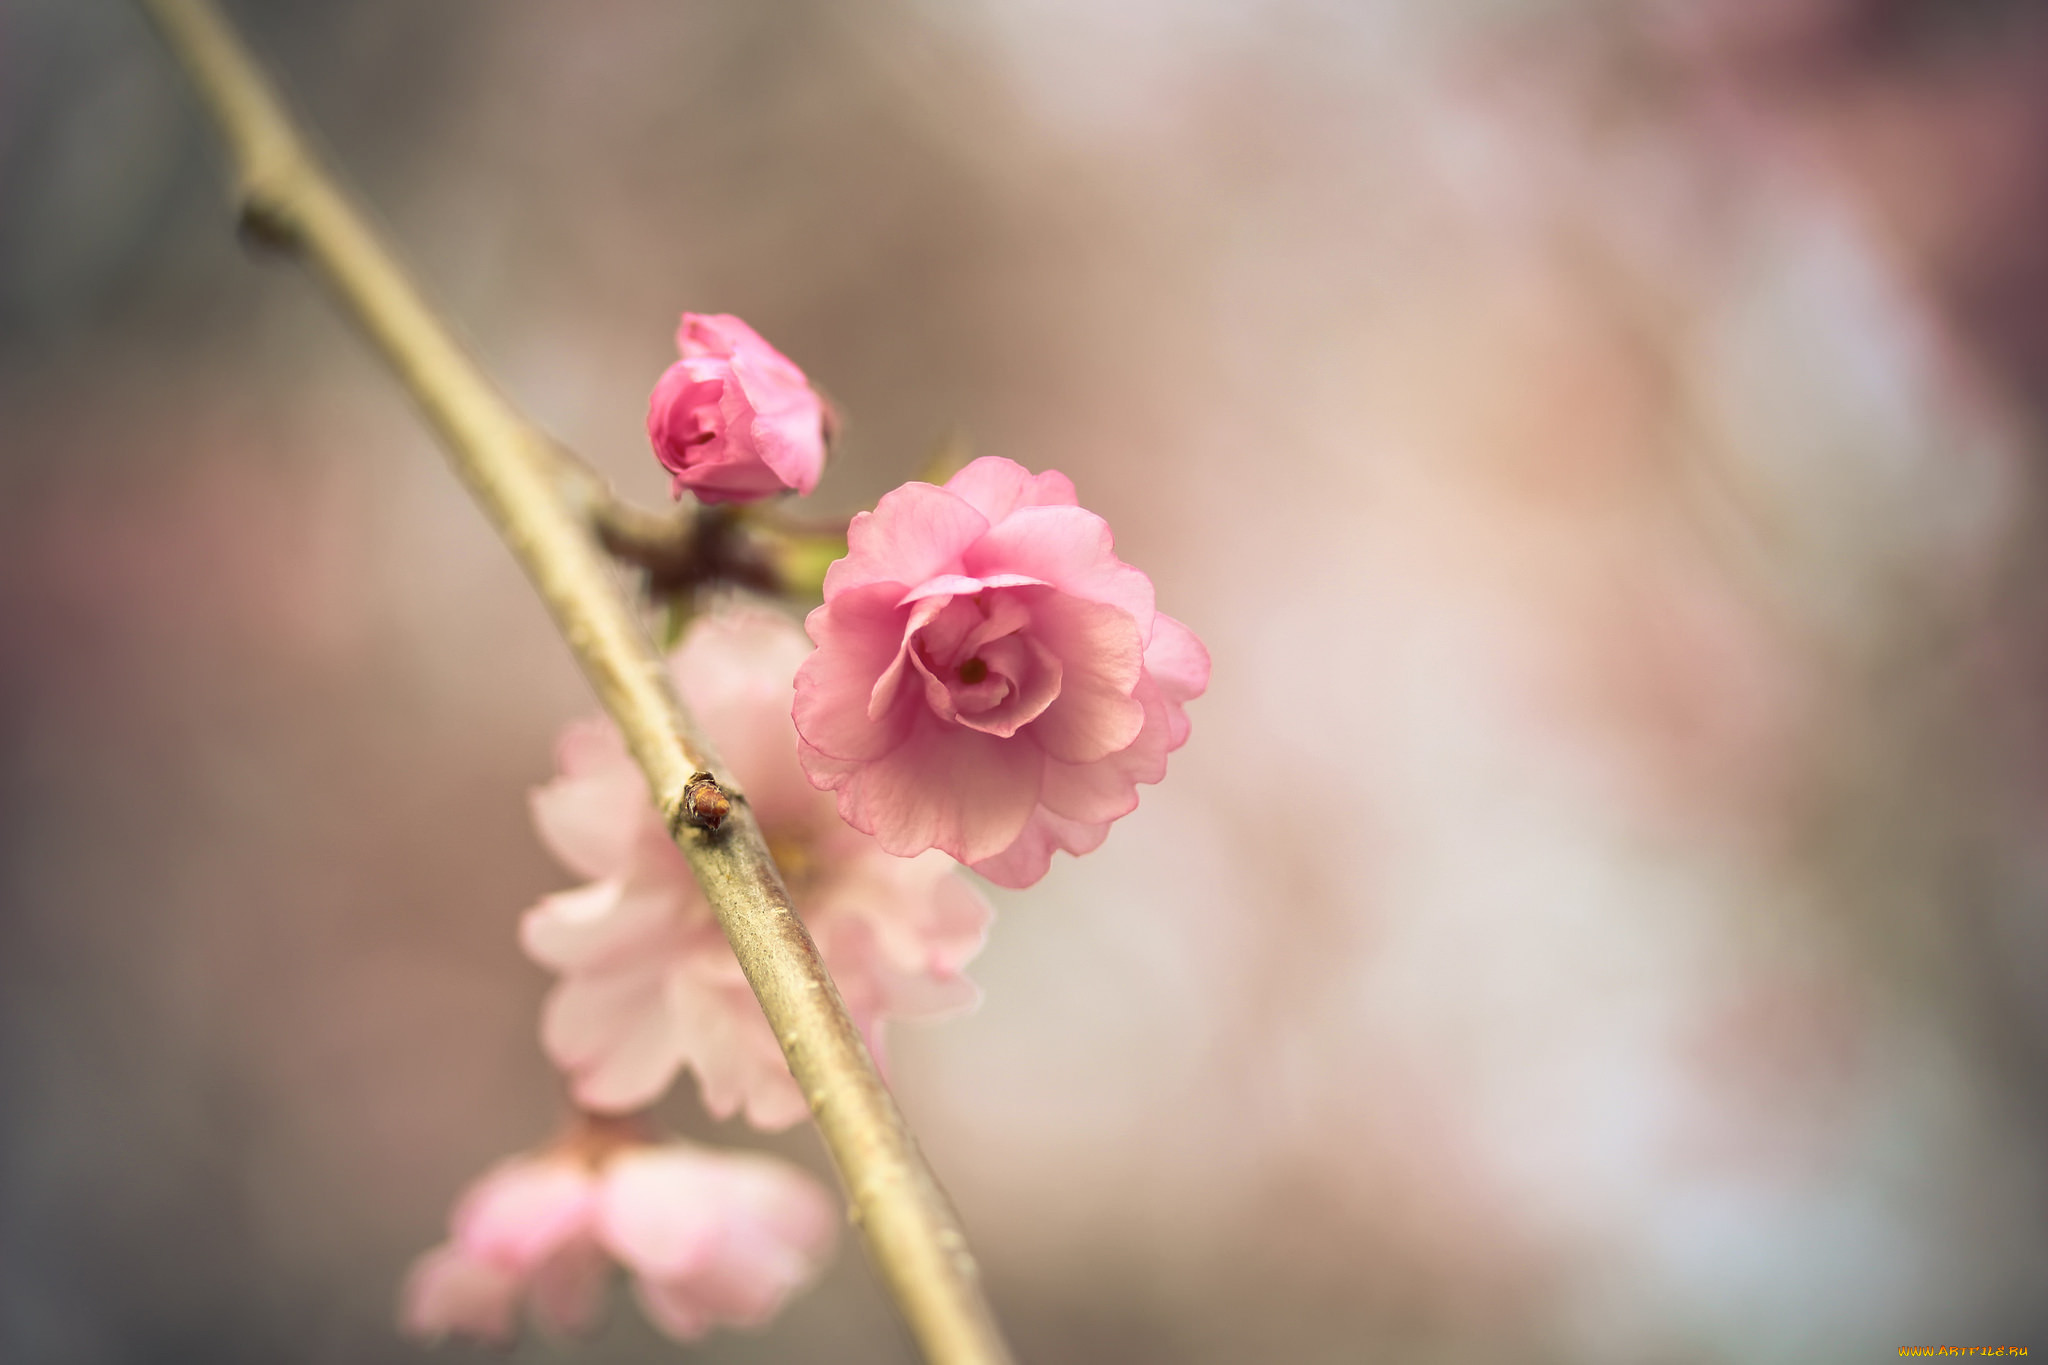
{"points": [[544, 503], [682, 552]]}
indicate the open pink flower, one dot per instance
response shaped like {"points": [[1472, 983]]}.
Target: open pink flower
{"points": [[711, 1238], [990, 678], [735, 419], [649, 984]]}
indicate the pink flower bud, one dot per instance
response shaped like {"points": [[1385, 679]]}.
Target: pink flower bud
{"points": [[735, 419], [990, 678]]}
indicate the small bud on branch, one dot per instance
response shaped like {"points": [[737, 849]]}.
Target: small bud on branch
{"points": [[704, 803]]}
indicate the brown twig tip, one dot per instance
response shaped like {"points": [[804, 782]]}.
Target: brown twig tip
{"points": [[705, 802]]}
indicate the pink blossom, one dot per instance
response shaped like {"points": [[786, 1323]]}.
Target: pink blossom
{"points": [[710, 1238], [735, 419], [649, 985], [990, 678]]}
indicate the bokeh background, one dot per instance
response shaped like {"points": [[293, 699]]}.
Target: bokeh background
{"points": [[1602, 913]]}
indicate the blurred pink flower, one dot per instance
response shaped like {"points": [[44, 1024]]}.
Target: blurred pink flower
{"points": [[711, 1238], [735, 419], [649, 984], [990, 678]]}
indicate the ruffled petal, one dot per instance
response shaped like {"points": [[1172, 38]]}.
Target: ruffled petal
{"points": [[859, 635], [595, 926], [924, 616], [948, 787], [735, 474], [874, 986], [1102, 655], [613, 1034], [1026, 861], [1107, 789], [915, 533], [1031, 676], [790, 438], [920, 925], [1177, 661], [1070, 548], [997, 487], [961, 585]]}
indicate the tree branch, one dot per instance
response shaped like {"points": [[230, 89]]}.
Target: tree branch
{"points": [[543, 504], [683, 550]]}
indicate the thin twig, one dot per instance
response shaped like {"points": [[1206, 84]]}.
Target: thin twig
{"points": [[681, 551], [541, 504], [641, 537]]}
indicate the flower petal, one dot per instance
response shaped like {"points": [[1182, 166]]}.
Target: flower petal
{"points": [[925, 615], [860, 636], [1070, 548], [1103, 658], [896, 942], [713, 1236], [709, 334], [1034, 675], [450, 1292], [1107, 789], [945, 787], [590, 816], [1177, 661], [996, 487], [789, 435], [1026, 861], [612, 1033], [727, 1042], [594, 926], [915, 533], [658, 1210], [523, 1211], [960, 585]]}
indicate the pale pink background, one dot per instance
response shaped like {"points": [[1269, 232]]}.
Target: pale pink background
{"points": [[1602, 913]]}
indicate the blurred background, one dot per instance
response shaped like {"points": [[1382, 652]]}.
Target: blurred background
{"points": [[1599, 440]]}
